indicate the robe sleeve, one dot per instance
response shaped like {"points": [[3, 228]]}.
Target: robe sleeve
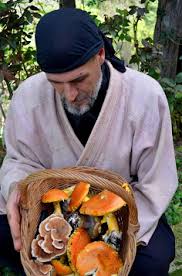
{"points": [[153, 161], [21, 143]]}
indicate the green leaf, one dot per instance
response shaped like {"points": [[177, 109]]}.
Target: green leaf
{"points": [[178, 95], [168, 82], [179, 148], [33, 8], [37, 15], [178, 88], [2, 6], [179, 78], [28, 16]]}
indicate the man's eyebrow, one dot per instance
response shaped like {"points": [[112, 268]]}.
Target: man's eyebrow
{"points": [[80, 78]]}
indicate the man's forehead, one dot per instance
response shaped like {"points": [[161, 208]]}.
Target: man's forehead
{"points": [[68, 76]]}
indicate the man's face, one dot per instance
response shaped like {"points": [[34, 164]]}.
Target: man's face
{"points": [[79, 88]]}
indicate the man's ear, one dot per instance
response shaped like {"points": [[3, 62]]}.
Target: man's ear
{"points": [[101, 55]]}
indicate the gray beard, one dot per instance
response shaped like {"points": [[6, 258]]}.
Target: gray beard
{"points": [[80, 110]]}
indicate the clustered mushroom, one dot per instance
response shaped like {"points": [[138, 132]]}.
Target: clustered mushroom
{"points": [[66, 240], [52, 239]]}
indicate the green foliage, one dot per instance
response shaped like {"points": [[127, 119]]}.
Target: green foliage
{"points": [[175, 208], [173, 90], [17, 55]]}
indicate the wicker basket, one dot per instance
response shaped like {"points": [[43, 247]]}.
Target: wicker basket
{"points": [[35, 185]]}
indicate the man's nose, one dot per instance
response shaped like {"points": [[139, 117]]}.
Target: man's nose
{"points": [[70, 92]]}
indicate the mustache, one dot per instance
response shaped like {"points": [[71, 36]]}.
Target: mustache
{"points": [[81, 97]]}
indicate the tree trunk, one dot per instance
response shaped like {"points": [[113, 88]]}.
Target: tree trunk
{"points": [[67, 3], [168, 34]]}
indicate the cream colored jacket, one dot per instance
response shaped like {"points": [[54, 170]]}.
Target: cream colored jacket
{"points": [[132, 136]]}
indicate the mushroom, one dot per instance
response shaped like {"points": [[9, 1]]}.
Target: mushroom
{"points": [[78, 195], [46, 244], [113, 235], [59, 228], [61, 268], [111, 221], [69, 190], [103, 203], [52, 241], [54, 196], [99, 257], [44, 268], [41, 255], [42, 225], [113, 239], [78, 240]]}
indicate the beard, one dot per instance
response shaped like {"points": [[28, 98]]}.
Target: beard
{"points": [[75, 108]]}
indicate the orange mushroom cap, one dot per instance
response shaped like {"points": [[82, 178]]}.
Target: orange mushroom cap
{"points": [[99, 257], [54, 195], [78, 240], [103, 203], [61, 269], [78, 195]]}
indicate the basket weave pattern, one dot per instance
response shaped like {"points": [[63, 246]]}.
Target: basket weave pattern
{"points": [[35, 185]]}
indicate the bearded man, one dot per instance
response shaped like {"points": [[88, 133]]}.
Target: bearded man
{"points": [[87, 109]]}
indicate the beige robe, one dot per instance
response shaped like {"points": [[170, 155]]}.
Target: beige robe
{"points": [[132, 136]]}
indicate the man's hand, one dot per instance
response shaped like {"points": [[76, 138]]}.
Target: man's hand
{"points": [[13, 215]]}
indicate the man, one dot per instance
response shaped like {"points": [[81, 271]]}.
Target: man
{"points": [[87, 109]]}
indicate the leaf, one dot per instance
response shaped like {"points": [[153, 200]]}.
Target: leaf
{"points": [[28, 16], [37, 15], [178, 88], [179, 78], [168, 82], [179, 148], [33, 8], [178, 95], [141, 12], [132, 10], [2, 6]]}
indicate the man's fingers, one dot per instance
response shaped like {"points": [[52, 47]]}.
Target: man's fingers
{"points": [[14, 223], [14, 218]]}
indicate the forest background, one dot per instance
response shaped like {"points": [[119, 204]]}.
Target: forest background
{"points": [[147, 34]]}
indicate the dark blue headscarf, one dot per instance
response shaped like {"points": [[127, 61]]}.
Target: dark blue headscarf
{"points": [[67, 38]]}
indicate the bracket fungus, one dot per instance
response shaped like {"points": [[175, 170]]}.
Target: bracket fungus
{"points": [[43, 268], [39, 254], [52, 240]]}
